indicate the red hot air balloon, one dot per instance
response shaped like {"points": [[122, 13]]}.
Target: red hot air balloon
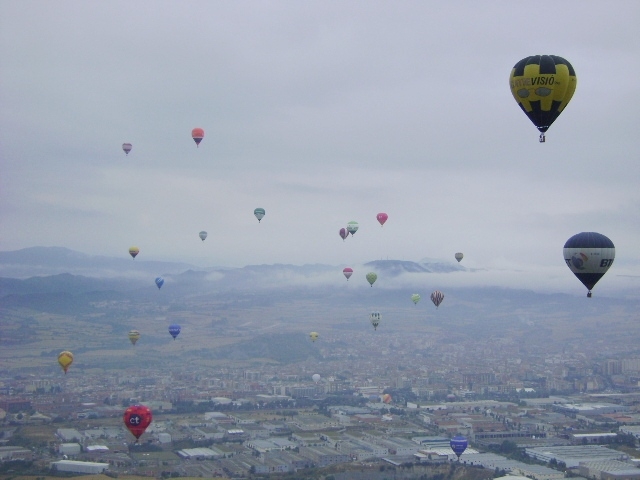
{"points": [[137, 418], [348, 271], [382, 217], [344, 233], [197, 134]]}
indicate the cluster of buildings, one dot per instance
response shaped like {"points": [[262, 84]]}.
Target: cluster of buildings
{"points": [[388, 397], [251, 435]]}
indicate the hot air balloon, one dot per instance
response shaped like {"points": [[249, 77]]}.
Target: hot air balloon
{"points": [[159, 282], [134, 336], [386, 398], [202, 235], [137, 418], [437, 297], [127, 147], [352, 227], [197, 134], [347, 272], [344, 233], [589, 255], [458, 445], [65, 359], [382, 217], [259, 213], [415, 298], [133, 251], [315, 377], [543, 85], [459, 256], [371, 278], [174, 330], [314, 336], [375, 318]]}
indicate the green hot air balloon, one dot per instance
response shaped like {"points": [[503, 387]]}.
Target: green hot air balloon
{"points": [[259, 213], [415, 298], [371, 278], [352, 227]]}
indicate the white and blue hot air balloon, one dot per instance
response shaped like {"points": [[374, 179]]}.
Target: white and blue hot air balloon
{"points": [[589, 255]]}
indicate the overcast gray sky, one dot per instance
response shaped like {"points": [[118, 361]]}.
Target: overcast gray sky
{"points": [[321, 112]]}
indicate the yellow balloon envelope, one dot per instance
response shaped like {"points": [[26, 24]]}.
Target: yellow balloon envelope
{"points": [[134, 336], [65, 359], [543, 85], [314, 336], [133, 251]]}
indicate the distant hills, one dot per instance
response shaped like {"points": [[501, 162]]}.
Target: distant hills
{"points": [[51, 296], [46, 270], [39, 261]]}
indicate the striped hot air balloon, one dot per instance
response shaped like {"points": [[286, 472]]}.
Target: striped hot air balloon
{"points": [[437, 297]]}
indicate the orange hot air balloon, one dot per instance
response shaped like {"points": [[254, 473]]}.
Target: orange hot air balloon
{"points": [[65, 359], [386, 398], [197, 134], [137, 418]]}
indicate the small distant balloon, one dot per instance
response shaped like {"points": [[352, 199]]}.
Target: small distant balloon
{"points": [[347, 272], [375, 318], [159, 282], [458, 445], [65, 359], [382, 217], [415, 298], [197, 134], [371, 278], [203, 235], [134, 336], [386, 398], [133, 251], [314, 336], [137, 418], [127, 147], [174, 330], [437, 297], [259, 213], [344, 233], [315, 377], [352, 227], [459, 256]]}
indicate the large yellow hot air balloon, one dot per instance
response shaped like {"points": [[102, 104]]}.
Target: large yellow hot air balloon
{"points": [[314, 336], [543, 85], [65, 359]]}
